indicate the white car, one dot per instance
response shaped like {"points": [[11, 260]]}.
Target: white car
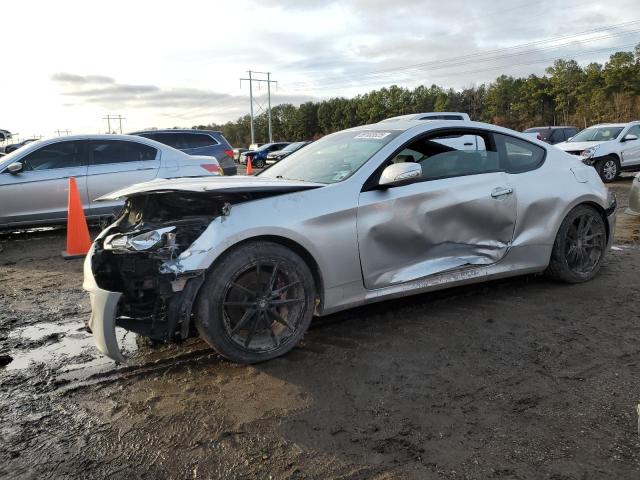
{"points": [[465, 142], [610, 148], [34, 179]]}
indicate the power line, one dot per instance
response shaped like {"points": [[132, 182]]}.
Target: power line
{"points": [[118, 117], [480, 56], [268, 81], [500, 67]]}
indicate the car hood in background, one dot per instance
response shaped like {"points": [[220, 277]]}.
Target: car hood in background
{"points": [[575, 146], [235, 184]]}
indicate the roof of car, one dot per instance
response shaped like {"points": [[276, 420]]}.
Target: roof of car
{"points": [[403, 125], [614, 124], [553, 126], [176, 130]]}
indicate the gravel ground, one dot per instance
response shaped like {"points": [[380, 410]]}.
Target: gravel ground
{"points": [[521, 378]]}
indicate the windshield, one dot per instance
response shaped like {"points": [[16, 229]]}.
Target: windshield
{"points": [[598, 134], [332, 158], [293, 146]]}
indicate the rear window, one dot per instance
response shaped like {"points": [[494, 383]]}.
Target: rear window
{"points": [[518, 156], [442, 117]]}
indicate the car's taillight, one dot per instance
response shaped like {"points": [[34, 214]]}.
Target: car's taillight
{"points": [[211, 168], [229, 153]]}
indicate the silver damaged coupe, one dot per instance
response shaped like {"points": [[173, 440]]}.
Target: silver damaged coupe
{"points": [[367, 214]]}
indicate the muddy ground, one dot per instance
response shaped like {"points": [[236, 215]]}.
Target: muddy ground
{"points": [[522, 378]]}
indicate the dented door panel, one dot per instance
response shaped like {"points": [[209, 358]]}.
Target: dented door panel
{"points": [[414, 231]]}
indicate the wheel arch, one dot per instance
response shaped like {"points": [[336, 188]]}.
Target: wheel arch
{"points": [[296, 247]]}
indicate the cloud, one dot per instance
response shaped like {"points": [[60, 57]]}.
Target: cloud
{"points": [[177, 103]]}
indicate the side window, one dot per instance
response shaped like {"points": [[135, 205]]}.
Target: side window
{"points": [[452, 154], [170, 139], [198, 140], [635, 130], [518, 156], [120, 151], [55, 155], [570, 132], [557, 135]]}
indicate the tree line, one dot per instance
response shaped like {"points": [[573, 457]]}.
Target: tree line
{"points": [[567, 95]]}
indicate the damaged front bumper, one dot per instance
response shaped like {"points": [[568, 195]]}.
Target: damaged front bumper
{"points": [[104, 305]]}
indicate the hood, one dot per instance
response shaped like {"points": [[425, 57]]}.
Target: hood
{"points": [[234, 184], [575, 146]]}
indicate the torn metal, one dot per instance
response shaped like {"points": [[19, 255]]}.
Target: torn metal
{"points": [[126, 271]]}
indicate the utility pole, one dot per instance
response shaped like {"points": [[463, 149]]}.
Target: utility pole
{"points": [[118, 117], [268, 81], [60, 132]]}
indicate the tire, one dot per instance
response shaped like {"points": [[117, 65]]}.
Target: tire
{"points": [[608, 168], [579, 246], [236, 315], [259, 163]]}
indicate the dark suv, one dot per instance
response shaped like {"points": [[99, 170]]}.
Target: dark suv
{"points": [[197, 142], [553, 135]]}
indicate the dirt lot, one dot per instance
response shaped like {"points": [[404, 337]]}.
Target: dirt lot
{"points": [[522, 378]]}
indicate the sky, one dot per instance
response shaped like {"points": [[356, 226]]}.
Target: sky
{"points": [[68, 64]]}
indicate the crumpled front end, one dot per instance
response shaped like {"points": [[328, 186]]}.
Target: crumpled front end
{"points": [[123, 270]]}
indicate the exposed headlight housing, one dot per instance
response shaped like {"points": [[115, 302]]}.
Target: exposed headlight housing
{"points": [[143, 241], [590, 152]]}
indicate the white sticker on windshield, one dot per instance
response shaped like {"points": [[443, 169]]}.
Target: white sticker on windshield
{"points": [[372, 135]]}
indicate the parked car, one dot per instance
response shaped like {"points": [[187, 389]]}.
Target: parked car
{"points": [[237, 152], [259, 156], [15, 146], [553, 135], [430, 116], [367, 214], [255, 146], [634, 197], [197, 142], [277, 155], [34, 180], [610, 148]]}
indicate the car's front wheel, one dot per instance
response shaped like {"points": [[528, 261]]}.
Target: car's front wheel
{"points": [[579, 246], [256, 303], [608, 169], [258, 163]]}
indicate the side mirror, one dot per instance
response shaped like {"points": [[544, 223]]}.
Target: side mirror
{"points": [[569, 139], [400, 174], [629, 137], [15, 168]]}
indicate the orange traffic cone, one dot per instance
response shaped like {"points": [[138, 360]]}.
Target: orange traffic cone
{"points": [[249, 167], [78, 239]]}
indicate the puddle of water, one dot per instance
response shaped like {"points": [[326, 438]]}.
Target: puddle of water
{"points": [[72, 342]]}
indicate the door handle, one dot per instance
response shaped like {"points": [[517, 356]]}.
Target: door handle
{"points": [[501, 191]]}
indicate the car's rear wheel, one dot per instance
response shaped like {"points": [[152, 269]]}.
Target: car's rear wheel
{"points": [[256, 303], [579, 246], [608, 169]]}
